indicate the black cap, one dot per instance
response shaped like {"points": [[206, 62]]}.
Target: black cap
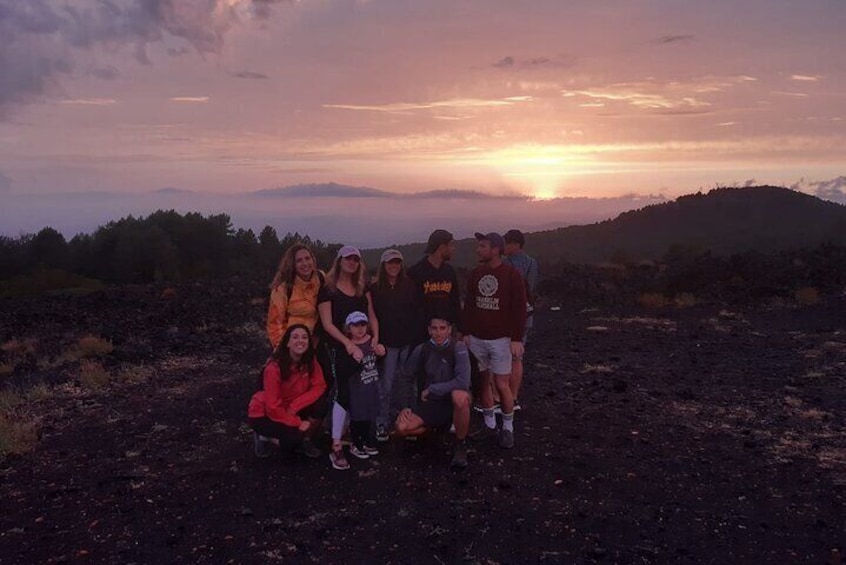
{"points": [[436, 239], [494, 238], [514, 236]]}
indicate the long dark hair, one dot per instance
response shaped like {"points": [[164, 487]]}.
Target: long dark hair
{"points": [[382, 284], [282, 355]]}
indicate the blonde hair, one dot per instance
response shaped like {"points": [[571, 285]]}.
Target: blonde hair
{"points": [[286, 271], [358, 278]]}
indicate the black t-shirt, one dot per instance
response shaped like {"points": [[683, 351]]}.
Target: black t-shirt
{"points": [[342, 306]]}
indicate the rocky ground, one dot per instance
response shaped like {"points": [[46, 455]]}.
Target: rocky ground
{"points": [[696, 435]]}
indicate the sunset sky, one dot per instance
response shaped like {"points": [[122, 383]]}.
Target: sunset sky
{"points": [[546, 98]]}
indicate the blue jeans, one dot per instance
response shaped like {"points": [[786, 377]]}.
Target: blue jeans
{"points": [[396, 387]]}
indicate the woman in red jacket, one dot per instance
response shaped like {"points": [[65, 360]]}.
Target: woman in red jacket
{"points": [[292, 402]]}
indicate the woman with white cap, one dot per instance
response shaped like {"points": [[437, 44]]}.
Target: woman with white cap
{"points": [[344, 292], [396, 305]]}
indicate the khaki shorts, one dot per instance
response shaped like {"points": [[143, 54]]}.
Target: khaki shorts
{"points": [[493, 355]]}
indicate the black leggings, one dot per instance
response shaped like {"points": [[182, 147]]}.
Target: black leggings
{"points": [[360, 432], [290, 436]]}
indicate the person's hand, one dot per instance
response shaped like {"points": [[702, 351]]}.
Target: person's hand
{"points": [[304, 426], [424, 396], [517, 349], [466, 340], [459, 336], [354, 351], [379, 350]]}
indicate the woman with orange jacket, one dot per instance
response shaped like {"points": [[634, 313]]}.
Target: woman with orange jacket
{"points": [[293, 293]]}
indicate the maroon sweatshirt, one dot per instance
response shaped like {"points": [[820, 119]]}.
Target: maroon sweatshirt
{"points": [[495, 304]]}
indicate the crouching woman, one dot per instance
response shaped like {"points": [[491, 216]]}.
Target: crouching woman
{"points": [[288, 409]]}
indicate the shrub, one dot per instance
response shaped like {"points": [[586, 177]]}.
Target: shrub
{"points": [[684, 300], [17, 435], [20, 346], [7, 368], [9, 398], [807, 296], [91, 346], [652, 300], [39, 391], [93, 375]]}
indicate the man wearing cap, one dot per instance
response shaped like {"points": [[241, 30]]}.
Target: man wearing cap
{"points": [[436, 280], [528, 268], [493, 320]]}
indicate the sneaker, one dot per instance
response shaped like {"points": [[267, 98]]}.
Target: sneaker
{"points": [[262, 446], [484, 433], [360, 453], [506, 438], [459, 456], [382, 434], [517, 405], [452, 429], [478, 408], [339, 461], [371, 451], [310, 450]]}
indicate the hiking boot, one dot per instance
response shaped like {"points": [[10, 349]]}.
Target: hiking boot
{"points": [[262, 445], [459, 456], [359, 452], [506, 438], [484, 433], [382, 434], [310, 450], [370, 451], [338, 460]]}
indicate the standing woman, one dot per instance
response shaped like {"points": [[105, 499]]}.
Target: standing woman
{"points": [[344, 292], [293, 293], [396, 305], [291, 403]]}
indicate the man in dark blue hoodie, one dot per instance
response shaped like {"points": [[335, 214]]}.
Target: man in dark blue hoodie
{"points": [[443, 366]]}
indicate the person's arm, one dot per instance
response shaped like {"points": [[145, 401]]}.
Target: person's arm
{"points": [[374, 321], [517, 305], [469, 308], [317, 386], [274, 407], [460, 376], [276, 316], [533, 275], [455, 298]]}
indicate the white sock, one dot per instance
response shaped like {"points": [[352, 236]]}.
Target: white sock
{"points": [[339, 417], [508, 421], [490, 417]]}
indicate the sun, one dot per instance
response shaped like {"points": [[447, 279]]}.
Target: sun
{"points": [[540, 169]]}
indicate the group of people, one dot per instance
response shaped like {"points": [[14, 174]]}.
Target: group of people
{"points": [[395, 354]]}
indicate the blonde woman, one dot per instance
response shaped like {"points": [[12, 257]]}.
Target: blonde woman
{"points": [[293, 293], [344, 292]]}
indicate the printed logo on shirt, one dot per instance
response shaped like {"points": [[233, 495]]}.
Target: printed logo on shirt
{"points": [[488, 285], [369, 372], [429, 287]]}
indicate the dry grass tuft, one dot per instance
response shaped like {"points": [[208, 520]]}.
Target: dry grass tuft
{"points": [[91, 346], [684, 300], [135, 374], [39, 391], [599, 368], [93, 375], [20, 346], [9, 398], [7, 368], [17, 435], [652, 300], [807, 296]]}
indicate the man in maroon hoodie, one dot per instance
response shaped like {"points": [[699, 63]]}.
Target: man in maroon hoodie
{"points": [[492, 320]]}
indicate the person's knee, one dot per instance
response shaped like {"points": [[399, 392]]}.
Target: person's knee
{"points": [[461, 399]]}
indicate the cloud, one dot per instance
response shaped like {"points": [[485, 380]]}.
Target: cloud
{"points": [[190, 99], [89, 101], [328, 190], [504, 63], [832, 189], [5, 183], [454, 103], [250, 75], [41, 40], [805, 78], [106, 73], [675, 39]]}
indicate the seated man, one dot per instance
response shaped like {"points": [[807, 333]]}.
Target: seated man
{"points": [[444, 366]]}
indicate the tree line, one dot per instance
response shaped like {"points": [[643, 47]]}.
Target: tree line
{"points": [[165, 246]]}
